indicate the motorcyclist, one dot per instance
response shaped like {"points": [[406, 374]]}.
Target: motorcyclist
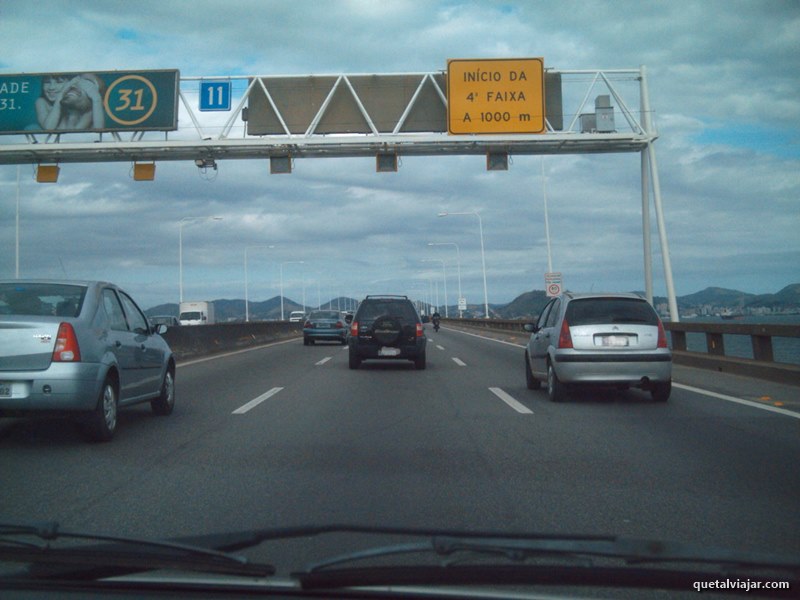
{"points": [[435, 317]]}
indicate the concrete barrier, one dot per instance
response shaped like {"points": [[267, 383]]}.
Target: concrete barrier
{"points": [[203, 340]]}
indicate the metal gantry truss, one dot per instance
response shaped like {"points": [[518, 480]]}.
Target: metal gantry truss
{"points": [[374, 129], [206, 137]]}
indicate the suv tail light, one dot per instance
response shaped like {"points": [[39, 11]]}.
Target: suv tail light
{"points": [[66, 349], [662, 335], [564, 337], [354, 328], [419, 330]]}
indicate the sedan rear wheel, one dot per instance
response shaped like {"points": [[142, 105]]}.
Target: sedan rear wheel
{"points": [[165, 403], [101, 424]]}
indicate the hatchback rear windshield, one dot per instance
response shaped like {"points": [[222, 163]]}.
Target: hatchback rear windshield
{"points": [[41, 299], [595, 311], [372, 309]]}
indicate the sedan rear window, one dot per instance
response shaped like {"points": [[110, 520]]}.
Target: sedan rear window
{"points": [[41, 299], [595, 311], [324, 314]]}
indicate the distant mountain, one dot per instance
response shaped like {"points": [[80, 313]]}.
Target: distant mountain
{"points": [[525, 305], [528, 305], [233, 310], [787, 298], [716, 296]]}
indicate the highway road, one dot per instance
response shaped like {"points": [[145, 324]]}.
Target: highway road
{"points": [[287, 435]]}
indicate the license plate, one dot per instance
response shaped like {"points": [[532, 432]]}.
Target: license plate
{"points": [[5, 390], [389, 351], [615, 340]]}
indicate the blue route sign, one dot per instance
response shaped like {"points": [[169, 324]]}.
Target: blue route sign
{"points": [[215, 95]]}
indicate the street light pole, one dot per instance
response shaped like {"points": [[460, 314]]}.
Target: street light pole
{"points": [[444, 274], [458, 266], [483, 254], [246, 298], [288, 262], [182, 222]]}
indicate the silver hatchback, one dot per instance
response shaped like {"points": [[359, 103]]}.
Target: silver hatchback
{"points": [[608, 340], [80, 349]]}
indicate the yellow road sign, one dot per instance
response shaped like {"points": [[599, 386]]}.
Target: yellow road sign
{"points": [[495, 95]]}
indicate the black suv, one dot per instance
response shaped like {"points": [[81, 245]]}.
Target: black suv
{"points": [[386, 327]]}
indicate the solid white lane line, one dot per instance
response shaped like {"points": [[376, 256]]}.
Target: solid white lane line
{"points": [[459, 362], [775, 409], [256, 401], [324, 360], [517, 406]]}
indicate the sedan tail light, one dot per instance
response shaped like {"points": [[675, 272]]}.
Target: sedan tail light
{"points": [[308, 325], [662, 335], [66, 349], [564, 337]]}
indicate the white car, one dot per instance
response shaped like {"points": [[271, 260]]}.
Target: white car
{"points": [[297, 316]]}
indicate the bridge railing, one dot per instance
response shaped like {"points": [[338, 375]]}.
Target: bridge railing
{"points": [[683, 337]]}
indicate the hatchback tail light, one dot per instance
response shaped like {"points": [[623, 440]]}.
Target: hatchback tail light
{"points": [[662, 335], [564, 337], [66, 349], [419, 330], [354, 328]]}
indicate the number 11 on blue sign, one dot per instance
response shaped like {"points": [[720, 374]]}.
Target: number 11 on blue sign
{"points": [[215, 95]]}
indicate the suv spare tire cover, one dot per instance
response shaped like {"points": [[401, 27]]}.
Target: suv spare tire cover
{"points": [[386, 330]]}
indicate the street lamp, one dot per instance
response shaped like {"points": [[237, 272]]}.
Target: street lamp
{"points": [[289, 262], [483, 254], [246, 299], [182, 222], [458, 266], [444, 274]]}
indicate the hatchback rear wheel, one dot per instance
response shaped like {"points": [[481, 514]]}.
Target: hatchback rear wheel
{"points": [[556, 390], [661, 391], [530, 380]]}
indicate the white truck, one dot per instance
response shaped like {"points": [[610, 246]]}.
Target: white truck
{"points": [[196, 313]]}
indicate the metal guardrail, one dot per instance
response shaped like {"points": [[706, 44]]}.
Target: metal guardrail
{"points": [[763, 364]]}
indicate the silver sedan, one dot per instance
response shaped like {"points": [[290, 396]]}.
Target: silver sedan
{"points": [[81, 349]]}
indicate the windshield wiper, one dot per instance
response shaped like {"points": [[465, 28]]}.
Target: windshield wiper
{"points": [[34, 544], [554, 560]]}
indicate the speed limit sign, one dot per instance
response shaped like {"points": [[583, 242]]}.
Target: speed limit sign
{"points": [[552, 284]]}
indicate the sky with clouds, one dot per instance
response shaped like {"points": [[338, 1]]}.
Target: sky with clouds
{"points": [[724, 85]]}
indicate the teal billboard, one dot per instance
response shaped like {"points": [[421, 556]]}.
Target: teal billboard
{"points": [[89, 101]]}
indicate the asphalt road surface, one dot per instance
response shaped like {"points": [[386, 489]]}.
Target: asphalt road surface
{"points": [[289, 435]]}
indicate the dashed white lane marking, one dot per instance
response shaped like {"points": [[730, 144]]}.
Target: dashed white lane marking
{"points": [[323, 361], [459, 362], [508, 399], [256, 401], [440, 347]]}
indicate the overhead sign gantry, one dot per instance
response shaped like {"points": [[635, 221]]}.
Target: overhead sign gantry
{"points": [[492, 107]]}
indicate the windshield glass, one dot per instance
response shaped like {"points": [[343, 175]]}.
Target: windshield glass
{"points": [[513, 267]]}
